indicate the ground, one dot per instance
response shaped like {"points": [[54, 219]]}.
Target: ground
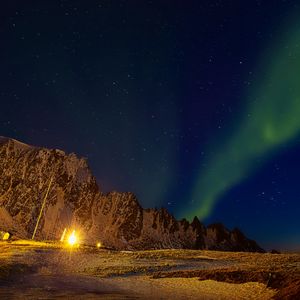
{"points": [[39, 270]]}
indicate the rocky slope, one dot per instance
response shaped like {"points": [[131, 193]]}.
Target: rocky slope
{"points": [[75, 202]]}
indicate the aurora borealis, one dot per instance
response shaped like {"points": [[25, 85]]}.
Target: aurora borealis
{"points": [[193, 106], [271, 119]]}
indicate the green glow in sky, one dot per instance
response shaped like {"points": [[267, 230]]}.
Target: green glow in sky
{"points": [[271, 119]]}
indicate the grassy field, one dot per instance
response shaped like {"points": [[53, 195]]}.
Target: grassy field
{"points": [[51, 270]]}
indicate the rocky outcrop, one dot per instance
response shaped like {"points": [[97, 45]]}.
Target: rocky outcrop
{"points": [[29, 175], [27, 172], [218, 237], [120, 222]]}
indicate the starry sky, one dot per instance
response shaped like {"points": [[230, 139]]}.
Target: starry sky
{"points": [[191, 105]]}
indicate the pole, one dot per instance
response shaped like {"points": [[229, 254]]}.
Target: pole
{"points": [[41, 211]]}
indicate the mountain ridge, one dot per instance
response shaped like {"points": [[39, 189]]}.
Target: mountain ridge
{"points": [[75, 201]]}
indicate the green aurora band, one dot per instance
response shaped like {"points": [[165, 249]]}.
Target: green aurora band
{"points": [[271, 119]]}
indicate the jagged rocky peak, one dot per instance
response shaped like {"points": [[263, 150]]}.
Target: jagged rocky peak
{"points": [[122, 214], [43, 157], [75, 202], [14, 144], [218, 237], [196, 224], [26, 172]]}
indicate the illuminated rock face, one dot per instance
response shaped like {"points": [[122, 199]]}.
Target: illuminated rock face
{"points": [[122, 223], [25, 174], [75, 202]]}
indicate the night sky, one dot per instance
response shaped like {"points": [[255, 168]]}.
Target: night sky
{"points": [[191, 105]]}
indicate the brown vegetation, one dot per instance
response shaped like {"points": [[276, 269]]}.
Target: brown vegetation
{"points": [[166, 271]]}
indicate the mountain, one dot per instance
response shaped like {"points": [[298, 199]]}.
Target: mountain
{"points": [[29, 175]]}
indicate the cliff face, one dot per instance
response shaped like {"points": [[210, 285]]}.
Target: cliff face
{"points": [[25, 175], [119, 221], [75, 202]]}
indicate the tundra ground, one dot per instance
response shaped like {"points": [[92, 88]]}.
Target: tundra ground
{"points": [[37, 270]]}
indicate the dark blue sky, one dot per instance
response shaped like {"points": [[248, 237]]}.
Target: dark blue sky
{"points": [[143, 89]]}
